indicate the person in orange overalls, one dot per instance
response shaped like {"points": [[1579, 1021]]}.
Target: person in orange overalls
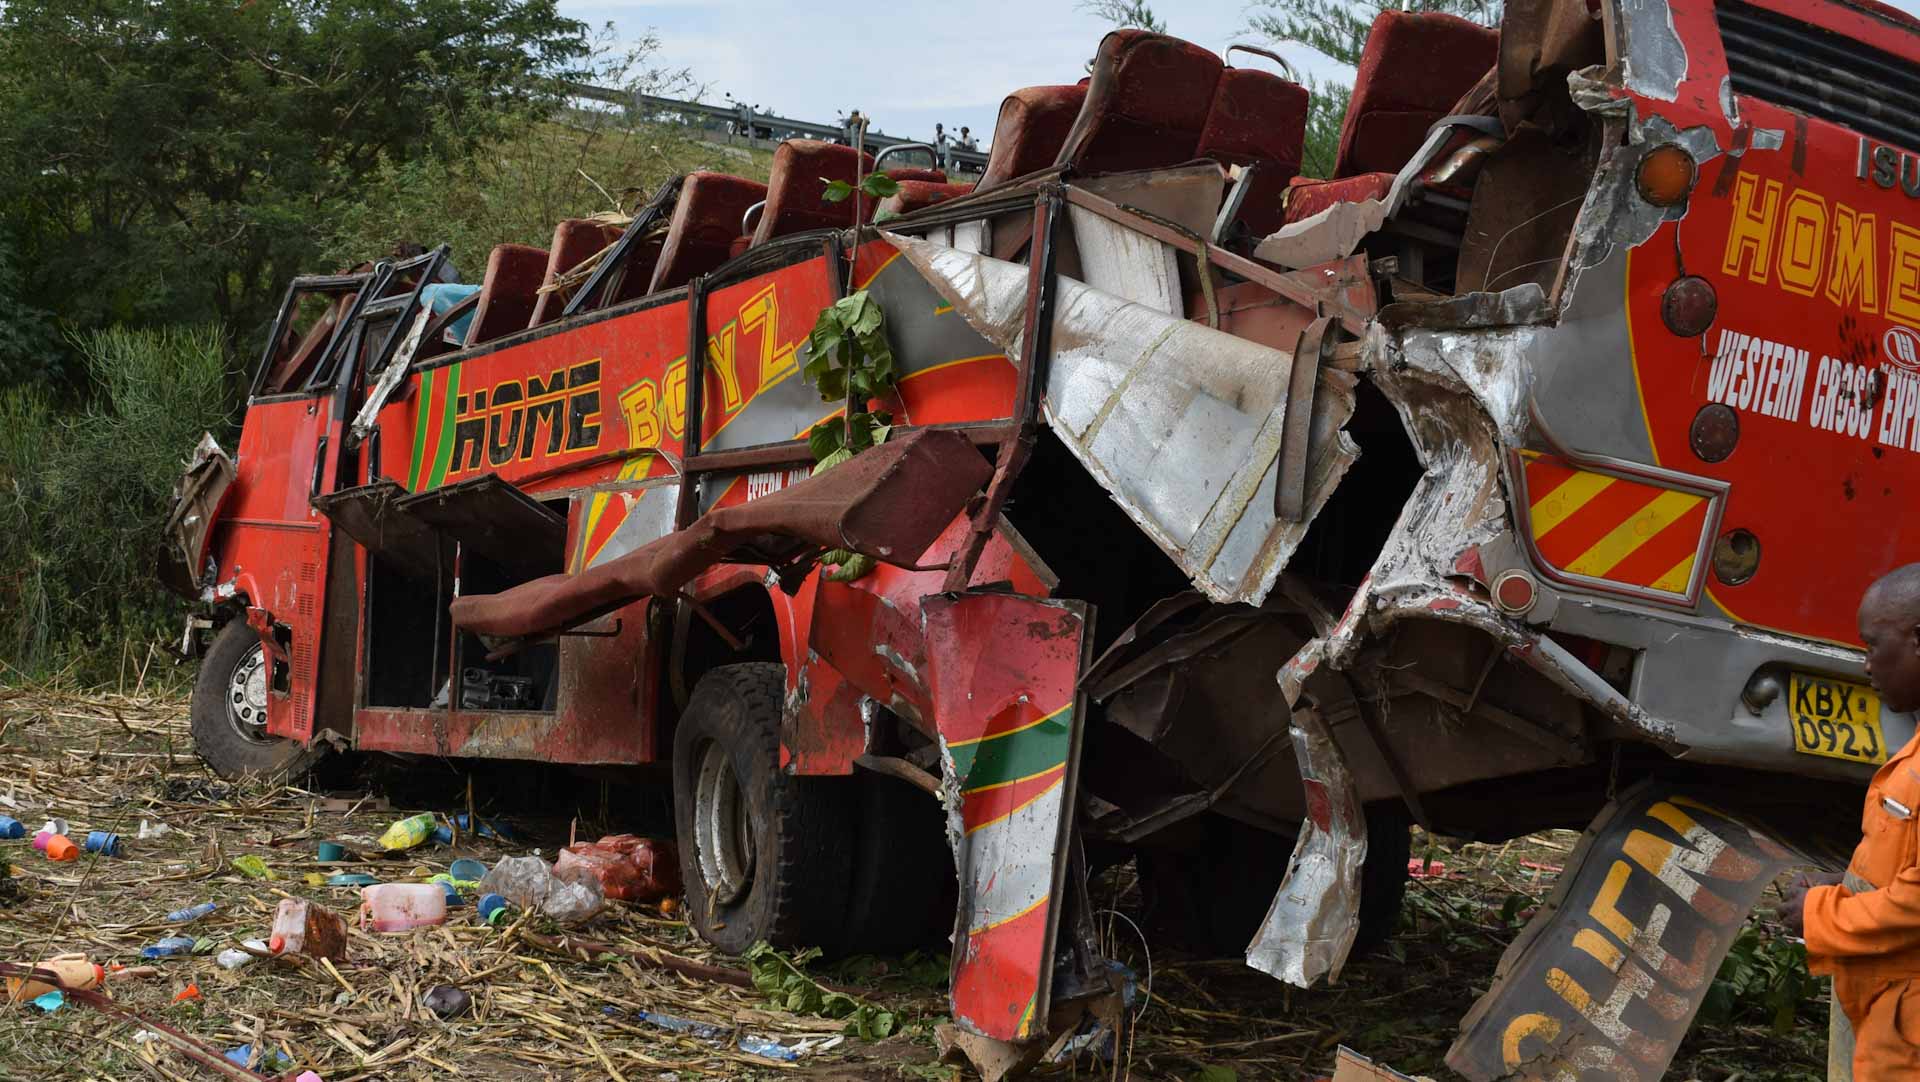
{"points": [[1863, 929]]}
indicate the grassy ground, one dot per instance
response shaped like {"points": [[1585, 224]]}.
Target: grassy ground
{"points": [[107, 761]]}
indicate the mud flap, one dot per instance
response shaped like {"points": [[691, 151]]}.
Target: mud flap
{"points": [[1003, 671], [1606, 979]]}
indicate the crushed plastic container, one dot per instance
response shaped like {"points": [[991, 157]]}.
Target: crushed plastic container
{"points": [[171, 947], [234, 957], [396, 907], [629, 868], [72, 970], [103, 842], [530, 883], [301, 927], [408, 832], [12, 829]]}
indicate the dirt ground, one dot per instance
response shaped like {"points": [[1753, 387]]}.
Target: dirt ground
{"points": [[107, 761]]}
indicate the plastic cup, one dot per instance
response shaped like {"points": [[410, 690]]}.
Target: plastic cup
{"points": [[61, 847], [467, 870], [488, 905], [332, 851], [100, 841]]}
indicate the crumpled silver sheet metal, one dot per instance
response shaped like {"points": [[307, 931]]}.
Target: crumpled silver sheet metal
{"points": [[1180, 423]]}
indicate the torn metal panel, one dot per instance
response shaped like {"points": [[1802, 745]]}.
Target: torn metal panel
{"points": [[196, 500], [1652, 55], [1180, 423], [1003, 671], [1310, 927], [1116, 260], [1606, 978]]}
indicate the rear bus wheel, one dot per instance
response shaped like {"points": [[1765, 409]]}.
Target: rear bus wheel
{"points": [[228, 716], [765, 855]]}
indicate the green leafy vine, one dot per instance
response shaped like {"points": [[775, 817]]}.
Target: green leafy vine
{"points": [[785, 982], [849, 361]]}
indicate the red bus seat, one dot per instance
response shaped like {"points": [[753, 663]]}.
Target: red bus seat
{"points": [[1414, 67], [705, 220], [507, 291], [1258, 119], [575, 240], [1032, 128], [917, 172], [1146, 106], [915, 194], [795, 188]]}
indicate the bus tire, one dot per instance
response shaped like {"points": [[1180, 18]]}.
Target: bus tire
{"points": [[228, 714], [765, 855], [903, 890]]}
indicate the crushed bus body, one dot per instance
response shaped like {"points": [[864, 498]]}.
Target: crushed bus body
{"points": [[1523, 475]]}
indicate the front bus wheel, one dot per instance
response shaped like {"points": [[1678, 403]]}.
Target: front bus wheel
{"points": [[229, 712], [765, 855]]}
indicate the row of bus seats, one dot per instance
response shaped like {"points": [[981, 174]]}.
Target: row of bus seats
{"points": [[1151, 101]]}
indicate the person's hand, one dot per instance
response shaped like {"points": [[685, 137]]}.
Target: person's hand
{"points": [[1793, 899]]}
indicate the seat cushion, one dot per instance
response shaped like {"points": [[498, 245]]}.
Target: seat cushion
{"points": [[575, 240], [915, 172], [1032, 127], [508, 291], [796, 188], [1258, 119], [1147, 103], [1414, 67], [915, 194], [1306, 198], [706, 218]]}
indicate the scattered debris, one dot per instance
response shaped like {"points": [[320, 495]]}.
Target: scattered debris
{"points": [[398, 907], [103, 842], [51, 1002], [329, 852], [11, 828], [192, 913], [447, 1001], [302, 927], [409, 832], [253, 867], [629, 868], [171, 947], [152, 829], [530, 883]]}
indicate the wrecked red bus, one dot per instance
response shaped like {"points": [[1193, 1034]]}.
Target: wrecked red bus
{"points": [[1524, 474]]}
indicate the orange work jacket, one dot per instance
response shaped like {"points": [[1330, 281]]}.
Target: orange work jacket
{"points": [[1869, 941]]}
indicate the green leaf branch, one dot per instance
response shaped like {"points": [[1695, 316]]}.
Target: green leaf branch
{"points": [[785, 982], [850, 361]]}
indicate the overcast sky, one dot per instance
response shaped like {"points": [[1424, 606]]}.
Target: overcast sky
{"points": [[915, 62]]}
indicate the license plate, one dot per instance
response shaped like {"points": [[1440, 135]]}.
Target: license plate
{"points": [[1836, 718]]}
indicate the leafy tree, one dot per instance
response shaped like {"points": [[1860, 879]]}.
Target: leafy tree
{"points": [[178, 160], [1124, 13], [1337, 30]]}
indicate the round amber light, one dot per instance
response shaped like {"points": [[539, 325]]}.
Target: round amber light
{"points": [[1666, 175]]}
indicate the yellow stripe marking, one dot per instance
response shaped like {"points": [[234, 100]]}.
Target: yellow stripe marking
{"points": [[1559, 505], [949, 364], [1018, 808], [1010, 732], [992, 924], [1676, 578], [1624, 539]]}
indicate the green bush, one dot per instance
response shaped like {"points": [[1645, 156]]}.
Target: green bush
{"points": [[84, 491]]}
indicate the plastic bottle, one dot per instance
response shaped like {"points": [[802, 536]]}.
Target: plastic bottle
{"points": [[769, 1049], [408, 832], [73, 971], [530, 883], [182, 916], [11, 828], [169, 947], [301, 927], [396, 907]]}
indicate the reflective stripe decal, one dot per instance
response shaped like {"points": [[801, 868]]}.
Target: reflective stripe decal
{"points": [[1613, 529]]}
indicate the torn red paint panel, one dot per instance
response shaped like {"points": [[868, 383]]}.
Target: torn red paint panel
{"points": [[1003, 673]]}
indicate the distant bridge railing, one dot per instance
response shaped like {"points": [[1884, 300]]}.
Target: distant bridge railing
{"points": [[757, 125]]}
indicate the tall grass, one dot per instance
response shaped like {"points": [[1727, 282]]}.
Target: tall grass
{"points": [[84, 491]]}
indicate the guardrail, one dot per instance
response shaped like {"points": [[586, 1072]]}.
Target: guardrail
{"points": [[758, 125]]}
